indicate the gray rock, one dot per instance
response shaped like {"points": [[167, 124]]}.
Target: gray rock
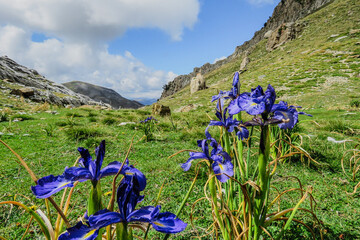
{"points": [[24, 92], [284, 33], [244, 63], [197, 83]]}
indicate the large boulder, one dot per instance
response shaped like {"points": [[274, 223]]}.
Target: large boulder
{"points": [[24, 92], [160, 110], [197, 83]]}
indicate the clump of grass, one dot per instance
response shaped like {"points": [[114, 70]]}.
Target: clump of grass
{"points": [[4, 117], [50, 130], [340, 126], [355, 103], [42, 107], [82, 133], [22, 116], [109, 120], [92, 114], [92, 119], [61, 124], [74, 115]]}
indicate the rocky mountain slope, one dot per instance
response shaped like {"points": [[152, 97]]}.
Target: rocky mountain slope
{"points": [[17, 80], [285, 13], [102, 94], [313, 62]]}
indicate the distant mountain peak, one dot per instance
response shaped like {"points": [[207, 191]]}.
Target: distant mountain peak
{"points": [[102, 94]]}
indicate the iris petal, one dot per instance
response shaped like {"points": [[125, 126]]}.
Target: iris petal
{"points": [[167, 222], [100, 154], [243, 133], [143, 214], [193, 155], [111, 169], [79, 231], [221, 168], [234, 107], [77, 174], [49, 185], [104, 218]]}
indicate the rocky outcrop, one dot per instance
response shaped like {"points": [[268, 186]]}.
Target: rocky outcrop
{"points": [[285, 32], [28, 83], [286, 11], [197, 83], [101, 94], [161, 110]]}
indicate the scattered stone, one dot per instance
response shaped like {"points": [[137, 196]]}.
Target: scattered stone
{"points": [[126, 123], [188, 108], [17, 119], [261, 77], [52, 112], [330, 139], [26, 134], [354, 31], [197, 83], [340, 38], [334, 35], [160, 110], [1, 133], [268, 34]]}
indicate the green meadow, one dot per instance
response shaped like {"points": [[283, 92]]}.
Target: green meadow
{"points": [[316, 71]]}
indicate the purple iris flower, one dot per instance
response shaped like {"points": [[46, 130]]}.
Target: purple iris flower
{"points": [[149, 119], [243, 132], [128, 195], [220, 160], [254, 103], [228, 123], [89, 170], [232, 94], [236, 84], [288, 114]]}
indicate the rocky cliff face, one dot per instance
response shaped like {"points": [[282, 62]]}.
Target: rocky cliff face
{"points": [[102, 94], [19, 80], [286, 12]]}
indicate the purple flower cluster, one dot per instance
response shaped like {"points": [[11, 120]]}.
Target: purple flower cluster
{"points": [[88, 170], [258, 103], [128, 196], [148, 119], [220, 160]]}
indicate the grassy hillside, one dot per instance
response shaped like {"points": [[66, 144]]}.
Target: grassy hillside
{"points": [[317, 71]]}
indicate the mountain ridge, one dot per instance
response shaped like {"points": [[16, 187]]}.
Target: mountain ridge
{"points": [[102, 94], [285, 12]]}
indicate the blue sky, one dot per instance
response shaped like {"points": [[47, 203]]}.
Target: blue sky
{"points": [[221, 26], [131, 46]]}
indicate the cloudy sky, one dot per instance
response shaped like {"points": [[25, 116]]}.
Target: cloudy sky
{"points": [[131, 46]]}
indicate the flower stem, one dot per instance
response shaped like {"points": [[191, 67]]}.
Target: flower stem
{"points": [[261, 197]]}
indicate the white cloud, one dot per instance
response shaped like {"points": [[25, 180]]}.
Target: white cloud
{"points": [[78, 32], [95, 20], [218, 59], [62, 62]]}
